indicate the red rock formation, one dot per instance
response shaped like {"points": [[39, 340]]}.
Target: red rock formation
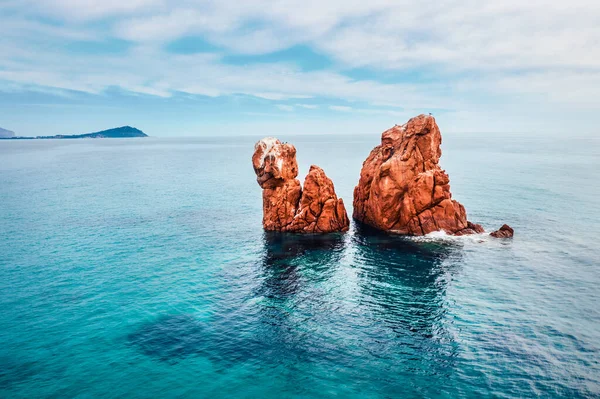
{"points": [[286, 207], [503, 232], [402, 188]]}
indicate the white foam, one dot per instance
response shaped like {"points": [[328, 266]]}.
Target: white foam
{"points": [[443, 236]]}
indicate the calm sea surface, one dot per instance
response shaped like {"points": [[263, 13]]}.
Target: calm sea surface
{"points": [[138, 268]]}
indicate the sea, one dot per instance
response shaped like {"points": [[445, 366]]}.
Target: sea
{"points": [[138, 268]]}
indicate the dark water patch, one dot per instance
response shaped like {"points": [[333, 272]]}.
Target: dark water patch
{"points": [[17, 371], [289, 268], [292, 261], [285, 247], [403, 286], [171, 337]]}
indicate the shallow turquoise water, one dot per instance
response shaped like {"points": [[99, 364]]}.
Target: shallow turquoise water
{"points": [[138, 268]]}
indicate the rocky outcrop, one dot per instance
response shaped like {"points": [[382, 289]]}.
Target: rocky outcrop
{"points": [[402, 189], [288, 207], [503, 232]]}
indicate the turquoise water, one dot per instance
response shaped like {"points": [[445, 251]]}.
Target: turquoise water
{"points": [[138, 268]]}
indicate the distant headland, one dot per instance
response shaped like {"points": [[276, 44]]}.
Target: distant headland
{"points": [[118, 132], [6, 134]]}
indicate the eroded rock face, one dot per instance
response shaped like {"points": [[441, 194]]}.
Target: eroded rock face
{"points": [[402, 188], [286, 206]]}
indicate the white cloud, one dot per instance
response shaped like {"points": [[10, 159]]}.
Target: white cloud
{"points": [[85, 10], [149, 70], [472, 35], [283, 107], [386, 34], [341, 108], [373, 111], [36, 32], [175, 23], [542, 53], [381, 33]]}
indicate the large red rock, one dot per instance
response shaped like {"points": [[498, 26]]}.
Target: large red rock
{"points": [[403, 189], [288, 207]]}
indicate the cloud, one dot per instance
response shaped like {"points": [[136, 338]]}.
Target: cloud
{"points": [[87, 10], [174, 24], [472, 36], [341, 108], [455, 55], [36, 32], [283, 107], [384, 34], [149, 70], [372, 111]]}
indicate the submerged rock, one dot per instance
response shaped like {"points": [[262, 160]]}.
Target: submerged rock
{"points": [[503, 232], [402, 188], [288, 207]]}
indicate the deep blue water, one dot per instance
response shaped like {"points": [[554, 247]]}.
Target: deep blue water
{"points": [[139, 268]]}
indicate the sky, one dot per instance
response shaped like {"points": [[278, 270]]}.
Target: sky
{"points": [[257, 67]]}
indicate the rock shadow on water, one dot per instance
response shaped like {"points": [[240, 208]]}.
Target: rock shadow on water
{"points": [[290, 257], [171, 337], [403, 284], [400, 270], [281, 247], [289, 265], [294, 276], [16, 370], [175, 337]]}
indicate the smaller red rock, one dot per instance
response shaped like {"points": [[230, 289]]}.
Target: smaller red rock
{"points": [[286, 205], [503, 232]]}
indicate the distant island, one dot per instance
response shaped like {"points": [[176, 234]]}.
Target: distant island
{"points": [[6, 134], [118, 132]]}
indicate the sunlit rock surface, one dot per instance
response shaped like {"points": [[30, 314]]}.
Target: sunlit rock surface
{"points": [[403, 189], [286, 205]]}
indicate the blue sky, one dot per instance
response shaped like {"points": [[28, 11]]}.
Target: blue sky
{"points": [[204, 67]]}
